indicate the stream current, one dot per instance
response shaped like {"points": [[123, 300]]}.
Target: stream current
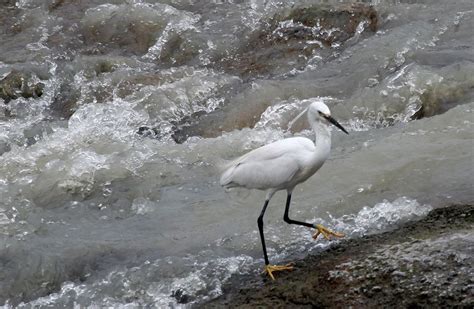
{"points": [[115, 116]]}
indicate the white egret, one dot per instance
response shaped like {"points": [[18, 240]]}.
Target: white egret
{"points": [[282, 165]]}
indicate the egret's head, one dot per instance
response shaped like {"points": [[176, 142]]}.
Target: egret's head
{"points": [[318, 111]]}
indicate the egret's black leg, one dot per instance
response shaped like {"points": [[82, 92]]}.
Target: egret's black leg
{"points": [[260, 228], [291, 221], [269, 269], [320, 229]]}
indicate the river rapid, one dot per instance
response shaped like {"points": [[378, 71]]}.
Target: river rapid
{"points": [[115, 116]]}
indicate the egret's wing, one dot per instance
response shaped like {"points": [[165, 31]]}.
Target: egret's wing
{"points": [[275, 150], [269, 166], [264, 174]]}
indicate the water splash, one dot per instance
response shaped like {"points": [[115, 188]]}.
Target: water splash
{"points": [[381, 217], [168, 282]]}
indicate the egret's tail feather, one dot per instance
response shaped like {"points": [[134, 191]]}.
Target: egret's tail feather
{"points": [[227, 168], [226, 177]]}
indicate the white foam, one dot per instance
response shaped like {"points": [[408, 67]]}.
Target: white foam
{"points": [[381, 217]]}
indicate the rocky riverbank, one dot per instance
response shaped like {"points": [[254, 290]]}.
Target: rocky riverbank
{"points": [[428, 263]]}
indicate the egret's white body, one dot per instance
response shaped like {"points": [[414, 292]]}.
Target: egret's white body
{"points": [[285, 163], [281, 166], [277, 166]]}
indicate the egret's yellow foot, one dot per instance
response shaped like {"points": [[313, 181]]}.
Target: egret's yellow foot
{"points": [[269, 269], [325, 232]]}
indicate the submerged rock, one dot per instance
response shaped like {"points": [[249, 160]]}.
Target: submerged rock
{"points": [[437, 100], [133, 28], [294, 36], [421, 264], [65, 101], [9, 17], [286, 42], [19, 84]]}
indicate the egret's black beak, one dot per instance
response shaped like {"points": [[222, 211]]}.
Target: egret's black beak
{"points": [[334, 122]]}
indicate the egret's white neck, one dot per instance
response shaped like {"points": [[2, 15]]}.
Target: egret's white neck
{"points": [[322, 138]]}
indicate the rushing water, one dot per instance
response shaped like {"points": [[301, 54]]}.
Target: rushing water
{"points": [[123, 110]]}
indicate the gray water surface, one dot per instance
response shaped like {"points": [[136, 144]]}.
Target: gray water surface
{"points": [[112, 136]]}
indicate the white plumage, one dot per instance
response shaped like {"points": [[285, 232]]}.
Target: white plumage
{"points": [[282, 165], [277, 166]]}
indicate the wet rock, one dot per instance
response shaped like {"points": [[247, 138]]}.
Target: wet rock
{"points": [[131, 84], [4, 147], [106, 26], [286, 42], [8, 17], [101, 78], [65, 101], [456, 88], [149, 132], [438, 100], [357, 277], [188, 126], [55, 4], [132, 28], [293, 37], [9, 2], [181, 296], [343, 20], [19, 84]]}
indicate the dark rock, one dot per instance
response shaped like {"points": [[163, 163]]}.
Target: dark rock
{"points": [[269, 51], [65, 101], [55, 4], [131, 29], [346, 18], [9, 18], [148, 132], [181, 296], [183, 129], [131, 84], [273, 46], [367, 284], [104, 67], [4, 147], [18, 84], [436, 100]]}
